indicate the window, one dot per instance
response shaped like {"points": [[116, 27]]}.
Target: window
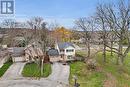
{"points": [[70, 50]]}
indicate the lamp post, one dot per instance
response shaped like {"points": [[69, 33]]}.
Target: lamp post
{"points": [[75, 81]]}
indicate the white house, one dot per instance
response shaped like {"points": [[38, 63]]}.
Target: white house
{"points": [[66, 50]]}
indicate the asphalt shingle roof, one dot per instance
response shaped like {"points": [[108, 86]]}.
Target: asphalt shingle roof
{"points": [[18, 51], [65, 45], [53, 52]]}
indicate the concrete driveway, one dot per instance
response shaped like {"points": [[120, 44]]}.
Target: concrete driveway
{"points": [[58, 78], [60, 73], [14, 72]]}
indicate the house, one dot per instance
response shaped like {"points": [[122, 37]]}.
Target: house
{"points": [[66, 51], [32, 52]]}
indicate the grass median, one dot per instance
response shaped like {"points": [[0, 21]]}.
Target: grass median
{"points": [[32, 70], [4, 68]]}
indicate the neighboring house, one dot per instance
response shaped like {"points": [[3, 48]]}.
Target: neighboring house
{"points": [[4, 57], [32, 52], [81, 40], [17, 54], [66, 51]]}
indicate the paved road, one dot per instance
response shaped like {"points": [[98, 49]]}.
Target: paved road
{"points": [[58, 78], [30, 83]]}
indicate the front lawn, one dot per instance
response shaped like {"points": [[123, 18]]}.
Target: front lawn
{"points": [[4, 68], [32, 70]]}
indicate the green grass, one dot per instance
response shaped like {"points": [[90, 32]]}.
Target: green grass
{"points": [[4, 68], [96, 79], [85, 78], [81, 53], [32, 70], [121, 73]]}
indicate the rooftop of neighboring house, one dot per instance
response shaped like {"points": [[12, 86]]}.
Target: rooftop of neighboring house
{"points": [[17, 51], [65, 45], [53, 52]]}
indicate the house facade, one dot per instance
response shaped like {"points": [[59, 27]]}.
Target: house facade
{"points": [[61, 52], [66, 51]]}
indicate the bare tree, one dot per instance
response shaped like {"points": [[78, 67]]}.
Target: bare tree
{"points": [[35, 22], [52, 27], [112, 38], [87, 26], [40, 36], [119, 22], [103, 28], [9, 23]]}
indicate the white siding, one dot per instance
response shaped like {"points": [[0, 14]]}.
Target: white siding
{"points": [[70, 53], [56, 47]]}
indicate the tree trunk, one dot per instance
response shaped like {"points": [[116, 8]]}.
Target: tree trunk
{"points": [[111, 48], [117, 61], [104, 54], [88, 49], [120, 56], [121, 60], [104, 48], [42, 67]]}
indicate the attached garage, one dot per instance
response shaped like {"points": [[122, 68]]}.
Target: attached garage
{"points": [[17, 54], [53, 55], [18, 59]]}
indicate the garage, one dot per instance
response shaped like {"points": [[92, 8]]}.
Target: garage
{"points": [[17, 54], [18, 59]]}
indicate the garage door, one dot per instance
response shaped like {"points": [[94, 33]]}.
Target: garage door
{"points": [[18, 59]]}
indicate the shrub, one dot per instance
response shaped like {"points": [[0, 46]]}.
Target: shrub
{"points": [[91, 63]]}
